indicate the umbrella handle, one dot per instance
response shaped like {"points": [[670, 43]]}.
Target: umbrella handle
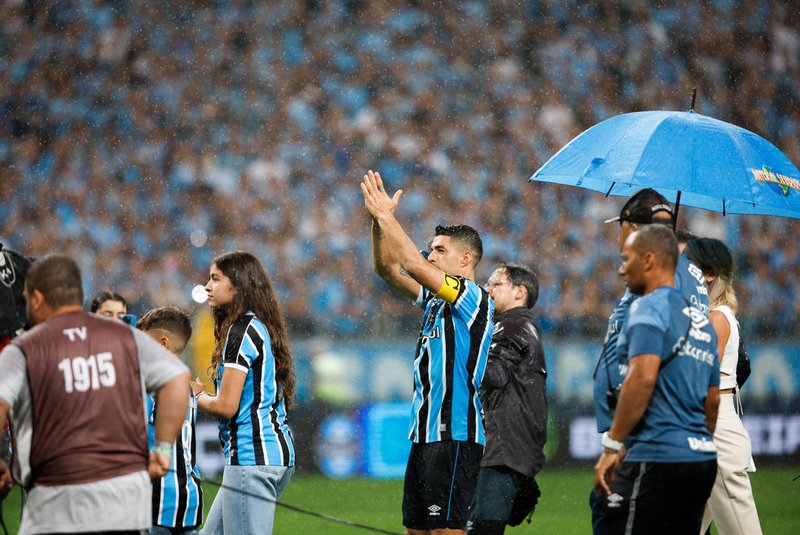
{"points": [[694, 97], [675, 215]]}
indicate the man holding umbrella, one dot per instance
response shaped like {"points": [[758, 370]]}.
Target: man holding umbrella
{"points": [[644, 208], [668, 403]]}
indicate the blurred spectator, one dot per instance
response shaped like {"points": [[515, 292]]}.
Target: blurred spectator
{"points": [[127, 128]]}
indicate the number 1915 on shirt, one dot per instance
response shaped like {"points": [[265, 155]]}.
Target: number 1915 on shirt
{"points": [[84, 373]]}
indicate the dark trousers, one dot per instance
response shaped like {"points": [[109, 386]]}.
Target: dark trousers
{"points": [[498, 487], [596, 504], [659, 498]]}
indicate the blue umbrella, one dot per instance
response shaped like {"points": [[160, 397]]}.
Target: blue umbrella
{"points": [[689, 158]]}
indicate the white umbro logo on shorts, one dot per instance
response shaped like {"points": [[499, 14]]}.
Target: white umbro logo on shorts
{"points": [[434, 509], [613, 500]]}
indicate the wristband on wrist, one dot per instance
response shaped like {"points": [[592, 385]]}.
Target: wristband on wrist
{"points": [[163, 447], [610, 445]]}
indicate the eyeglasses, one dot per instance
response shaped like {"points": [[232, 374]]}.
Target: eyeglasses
{"points": [[492, 284]]}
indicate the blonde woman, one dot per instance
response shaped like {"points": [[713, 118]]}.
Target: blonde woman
{"points": [[731, 505]]}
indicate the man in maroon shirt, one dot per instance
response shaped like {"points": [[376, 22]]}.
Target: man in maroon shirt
{"points": [[74, 386]]}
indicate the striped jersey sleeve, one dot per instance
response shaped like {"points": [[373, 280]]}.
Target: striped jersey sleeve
{"points": [[241, 345]]}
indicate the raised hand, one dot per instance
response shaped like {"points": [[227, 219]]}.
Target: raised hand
{"points": [[376, 199]]}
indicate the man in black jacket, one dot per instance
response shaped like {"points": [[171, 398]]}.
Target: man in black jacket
{"points": [[514, 404]]}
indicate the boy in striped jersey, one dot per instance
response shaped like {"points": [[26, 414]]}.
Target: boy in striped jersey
{"points": [[453, 347], [178, 496]]}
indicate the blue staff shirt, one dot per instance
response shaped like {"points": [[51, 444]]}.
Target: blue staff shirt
{"points": [[607, 373], [673, 427]]}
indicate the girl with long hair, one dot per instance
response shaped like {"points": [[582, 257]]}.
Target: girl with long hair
{"points": [[731, 504], [255, 383]]}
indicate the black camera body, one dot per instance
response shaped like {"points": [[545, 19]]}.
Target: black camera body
{"points": [[130, 319], [612, 396], [13, 269]]}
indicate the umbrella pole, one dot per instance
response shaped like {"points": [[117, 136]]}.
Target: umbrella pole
{"points": [[677, 207]]}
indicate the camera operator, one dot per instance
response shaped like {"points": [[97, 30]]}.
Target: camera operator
{"points": [[110, 304]]}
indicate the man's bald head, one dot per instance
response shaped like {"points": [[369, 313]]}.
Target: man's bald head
{"points": [[659, 240]]}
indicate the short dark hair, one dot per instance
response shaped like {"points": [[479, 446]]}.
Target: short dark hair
{"points": [[642, 206], [660, 240], [105, 295], [683, 235], [170, 319], [58, 278], [466, 235], [520, 275]]}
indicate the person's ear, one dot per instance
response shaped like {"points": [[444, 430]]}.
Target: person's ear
{"points": [[466, 258], [649, 260], [521, 292], [165, 341], [35, 299]]}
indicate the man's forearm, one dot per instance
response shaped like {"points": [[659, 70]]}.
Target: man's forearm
{"points": [[4, 410], [630, 408], [173, 401], [395, 241], [382, 258], [712, 408], [637, 390]]}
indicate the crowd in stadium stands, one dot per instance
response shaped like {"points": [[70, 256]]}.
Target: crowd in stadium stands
{"points": [[144, 138]]}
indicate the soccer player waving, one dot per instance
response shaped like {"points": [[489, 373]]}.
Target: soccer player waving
{"points": [[452, 350]]}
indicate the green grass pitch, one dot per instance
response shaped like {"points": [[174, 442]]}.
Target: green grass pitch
{"points": [[562, 509]]}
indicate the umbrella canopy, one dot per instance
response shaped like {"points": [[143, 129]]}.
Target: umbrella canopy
{"points": [[689, 158]]}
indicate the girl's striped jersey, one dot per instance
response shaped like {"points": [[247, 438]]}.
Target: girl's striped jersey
{"points": [[451, 356], [258, 434]]}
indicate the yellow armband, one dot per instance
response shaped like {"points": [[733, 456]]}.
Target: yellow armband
{"points": [[451, 287]]}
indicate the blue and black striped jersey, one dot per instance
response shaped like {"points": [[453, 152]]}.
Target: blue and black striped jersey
{"points": [[258, 434], [451, 356], [178, 496]]}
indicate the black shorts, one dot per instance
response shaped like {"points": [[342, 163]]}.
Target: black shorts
{"points": [[440, 480], [659, 498]]}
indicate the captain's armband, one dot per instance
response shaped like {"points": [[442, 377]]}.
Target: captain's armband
{"points": [[451, 286]]}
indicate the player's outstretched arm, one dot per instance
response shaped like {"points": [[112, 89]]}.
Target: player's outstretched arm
{"points": [[401, 263], [386, 261]]}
